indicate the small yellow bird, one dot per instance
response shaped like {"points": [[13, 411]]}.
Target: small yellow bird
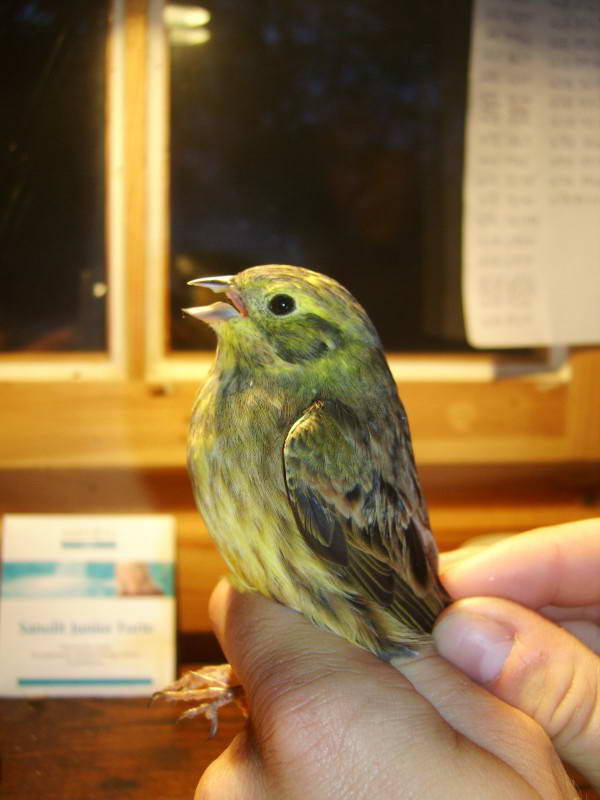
{"points": [[302, 467]]}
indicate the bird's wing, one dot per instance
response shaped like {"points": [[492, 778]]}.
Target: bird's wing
{"points": [[350, 513]]}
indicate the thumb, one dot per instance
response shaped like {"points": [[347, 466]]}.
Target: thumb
{"points": [[534, 665]]}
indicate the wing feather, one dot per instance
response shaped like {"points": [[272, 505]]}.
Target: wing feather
{"points": [[354, 509]]}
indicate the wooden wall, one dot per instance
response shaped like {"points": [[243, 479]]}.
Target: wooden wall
{"points": [[498, 456]]}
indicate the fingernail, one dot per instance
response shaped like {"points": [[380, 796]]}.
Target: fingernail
{"points": [[477, 645]]}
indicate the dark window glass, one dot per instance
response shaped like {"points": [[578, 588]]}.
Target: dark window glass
{"points": [[325, 134], [53, 67]]}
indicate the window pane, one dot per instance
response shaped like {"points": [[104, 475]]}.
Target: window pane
{"points": [[326, 134], [53, 58]]}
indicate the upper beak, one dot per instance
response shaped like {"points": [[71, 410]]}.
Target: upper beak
{"points": [[218, 312], [222, 283]]}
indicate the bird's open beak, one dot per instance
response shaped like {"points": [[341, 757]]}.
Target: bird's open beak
{"points": [[218, 312]]}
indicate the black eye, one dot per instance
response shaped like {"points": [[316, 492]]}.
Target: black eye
{"points": [[282, 304]]}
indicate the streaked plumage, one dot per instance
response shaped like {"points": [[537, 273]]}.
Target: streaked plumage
{"points": [[302, 466]]}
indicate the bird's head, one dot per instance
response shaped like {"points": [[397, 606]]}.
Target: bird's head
{"points": [[285, 318]]}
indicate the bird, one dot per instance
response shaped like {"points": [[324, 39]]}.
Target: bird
{"points": [[302, 466]]}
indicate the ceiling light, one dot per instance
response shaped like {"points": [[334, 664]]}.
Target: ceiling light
{"points": [[179, 16]]}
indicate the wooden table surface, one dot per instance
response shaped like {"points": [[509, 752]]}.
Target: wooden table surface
{"points": [[76, 749]]}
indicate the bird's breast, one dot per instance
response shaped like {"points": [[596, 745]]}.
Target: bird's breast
{"points": [[235, 459]]}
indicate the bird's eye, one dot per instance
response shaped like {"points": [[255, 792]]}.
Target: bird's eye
{"points": [[282, 304]]}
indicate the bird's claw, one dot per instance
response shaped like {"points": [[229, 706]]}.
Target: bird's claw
{"points": [[211, 688]]}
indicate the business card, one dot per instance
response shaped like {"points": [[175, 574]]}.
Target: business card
{"points": [[87, 604]]}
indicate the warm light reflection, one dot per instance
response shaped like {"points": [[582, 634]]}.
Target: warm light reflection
{"points": [[180, 16], [189, 36]]}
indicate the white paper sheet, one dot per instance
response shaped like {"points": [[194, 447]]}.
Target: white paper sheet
{"points": [[87, 605], [531, 217]]}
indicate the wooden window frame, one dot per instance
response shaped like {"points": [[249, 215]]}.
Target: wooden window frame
{"points": [[161, 364], [110, 364]]}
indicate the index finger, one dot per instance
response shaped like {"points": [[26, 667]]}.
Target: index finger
{"points": [[558, 566]]}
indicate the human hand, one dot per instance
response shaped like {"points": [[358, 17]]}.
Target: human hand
{"points": [[546, 663], [328, 720]]}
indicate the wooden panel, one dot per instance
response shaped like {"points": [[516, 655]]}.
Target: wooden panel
{"points": [[584, 405], [464, 502], [94, 424], [121, 488], [145, 425], [492, 456], [140, 425], [199, 567], [487, 410]]}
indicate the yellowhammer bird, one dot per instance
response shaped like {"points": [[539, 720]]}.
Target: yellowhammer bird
{"points": [[302, 467]]}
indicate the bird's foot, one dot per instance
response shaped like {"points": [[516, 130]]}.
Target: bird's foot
{"points": [[211, 688]]}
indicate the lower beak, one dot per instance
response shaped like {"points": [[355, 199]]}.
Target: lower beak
{"points": [[217, 312]]}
